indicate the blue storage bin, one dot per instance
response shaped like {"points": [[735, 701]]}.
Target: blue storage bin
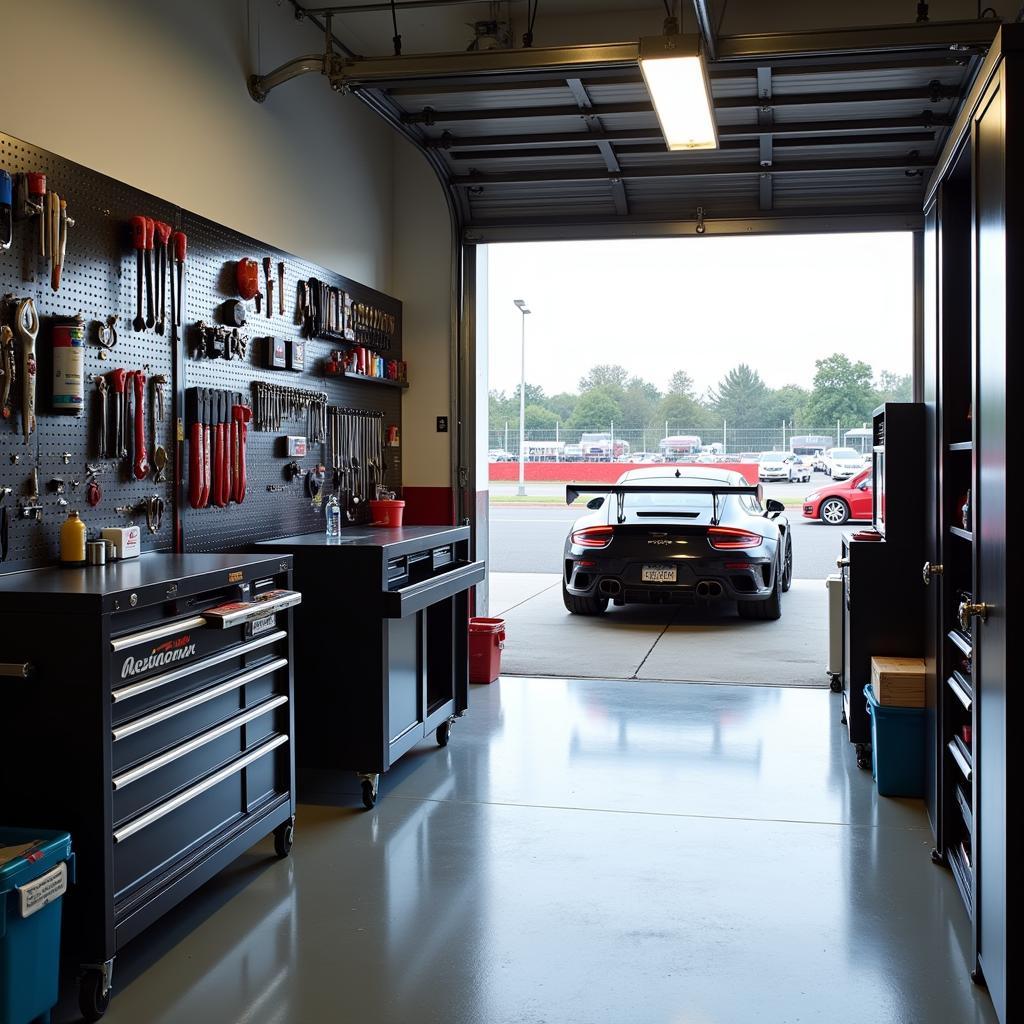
{"points": [[897, 747], [36, 868]]}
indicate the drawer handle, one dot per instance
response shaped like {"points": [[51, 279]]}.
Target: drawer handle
{"points": [[127, 692], [156, 633], [186, 795], [172, 710], [192, 745]]}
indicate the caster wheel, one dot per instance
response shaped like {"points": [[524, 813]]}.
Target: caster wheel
{"points": [[284, 836], [835, 684], [92, 1000], [444, 733], [369, 795], [937, 857]]}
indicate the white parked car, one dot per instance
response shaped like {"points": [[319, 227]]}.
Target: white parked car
{"points": [[782, 466], [842, 463]]}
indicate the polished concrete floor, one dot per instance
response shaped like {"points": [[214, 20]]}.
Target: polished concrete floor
{"points": [[584, 852], [676, 644]]}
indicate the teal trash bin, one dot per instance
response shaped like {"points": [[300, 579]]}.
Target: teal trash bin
{"points": [[36, 868], [897, 747]]}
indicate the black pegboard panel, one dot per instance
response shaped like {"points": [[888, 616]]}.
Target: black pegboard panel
{"points": [[99, 280], [213, 253]]}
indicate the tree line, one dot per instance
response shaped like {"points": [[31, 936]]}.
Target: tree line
{"points": [[842, 390]]}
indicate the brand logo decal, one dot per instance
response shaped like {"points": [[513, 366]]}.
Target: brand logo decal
{"points": [[658, 540], [168, 653]]}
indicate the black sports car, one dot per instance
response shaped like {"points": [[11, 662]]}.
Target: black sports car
{"points": [[659, 536]]}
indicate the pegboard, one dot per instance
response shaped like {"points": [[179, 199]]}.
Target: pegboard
{"points": [[98, 279]]}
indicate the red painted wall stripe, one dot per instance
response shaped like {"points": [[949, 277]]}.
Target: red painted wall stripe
{"points": [[603, 472]]}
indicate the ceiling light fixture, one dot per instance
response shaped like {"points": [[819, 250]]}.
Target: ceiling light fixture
{"points": [[677, 79]]}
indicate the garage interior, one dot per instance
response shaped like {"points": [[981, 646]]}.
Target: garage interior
{"points": [[539, 848]]}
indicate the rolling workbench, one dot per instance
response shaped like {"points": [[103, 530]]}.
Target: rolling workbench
{"points": [[381, 657], [154, 728]]}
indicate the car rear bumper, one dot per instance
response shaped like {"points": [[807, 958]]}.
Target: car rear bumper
{"points": [[710, 580]]}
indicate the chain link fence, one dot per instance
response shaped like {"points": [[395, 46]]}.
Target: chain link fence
{"points": [[599, 442]]}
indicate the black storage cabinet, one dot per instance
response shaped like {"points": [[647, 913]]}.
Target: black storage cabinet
{"points": [[161, 743], [382, 644]]}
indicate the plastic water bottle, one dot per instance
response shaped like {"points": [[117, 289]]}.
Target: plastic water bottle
{"points": [[333, 517]]}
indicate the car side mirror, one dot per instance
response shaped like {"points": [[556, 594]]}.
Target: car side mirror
{"points": [[863, 485], [773, 506], [595, 503]]}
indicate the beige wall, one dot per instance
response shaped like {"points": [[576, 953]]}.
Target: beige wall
{"points": [[424, 280], [153, 93]]}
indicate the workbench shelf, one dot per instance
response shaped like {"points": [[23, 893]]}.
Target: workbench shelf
{"points": [[962, 446], [961, 533]]}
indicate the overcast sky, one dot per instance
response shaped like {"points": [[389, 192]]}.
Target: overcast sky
{"points": [[700, 304]]}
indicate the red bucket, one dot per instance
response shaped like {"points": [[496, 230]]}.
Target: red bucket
{"points": [[486, 641], [386, 513]]}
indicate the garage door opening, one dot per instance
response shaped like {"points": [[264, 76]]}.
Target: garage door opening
{"points": [[720, 362]]}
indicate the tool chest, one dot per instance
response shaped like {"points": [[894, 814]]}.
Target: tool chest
{"points": [[382, 655], [151, 707]]}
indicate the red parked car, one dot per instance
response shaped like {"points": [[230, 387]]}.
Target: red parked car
{"points": [[835, 504]]}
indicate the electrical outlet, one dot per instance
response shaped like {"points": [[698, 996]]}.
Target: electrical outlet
{"points": [[442, 424]]}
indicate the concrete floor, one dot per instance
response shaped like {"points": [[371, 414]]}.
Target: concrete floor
{"points": [[584, 852], [676, 644]]}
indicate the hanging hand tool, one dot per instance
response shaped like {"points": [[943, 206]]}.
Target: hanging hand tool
{"points": [[280, 288], [163, 235], [126, 416], [101, 391], [194, 410], [26, 320], [240, 414], [30, 201], [159, 463], [64, 221], [179, 243], [159, 382], [207, 441], [141, 467], [139, 244], [117, 389], [150, 233], [227, 458], [6, 210], [53, 233], [7, 371], [220, 455], [154, 512], [270, 287]]}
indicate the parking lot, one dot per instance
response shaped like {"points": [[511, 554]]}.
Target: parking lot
{"points": [[527, 537]]}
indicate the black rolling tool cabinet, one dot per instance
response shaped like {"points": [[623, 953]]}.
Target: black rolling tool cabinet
{"points": [[158, 733], [382, 644]]}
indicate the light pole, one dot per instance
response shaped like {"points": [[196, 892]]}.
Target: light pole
{"points": [[521, 306]]}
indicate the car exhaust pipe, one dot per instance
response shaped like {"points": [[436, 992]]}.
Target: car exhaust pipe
{"points": [[709, 589], [610, 588]]}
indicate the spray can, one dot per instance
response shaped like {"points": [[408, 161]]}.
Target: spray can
{"points": [[6, 210], [72, 540], [69, 368]]}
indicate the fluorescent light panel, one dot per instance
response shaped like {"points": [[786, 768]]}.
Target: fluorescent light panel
{"points": [[677, 80]]}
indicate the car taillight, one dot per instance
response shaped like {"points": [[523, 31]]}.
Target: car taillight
{"points": [[727, 538], [593, 536]]}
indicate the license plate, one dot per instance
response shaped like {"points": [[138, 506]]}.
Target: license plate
{"points": [[658, 574]]}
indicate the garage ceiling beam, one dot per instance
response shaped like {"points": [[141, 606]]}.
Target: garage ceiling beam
{"points": [[528, 143], [706, 28], [627, 150], [931, 94], [594, 127], [694, 170]]}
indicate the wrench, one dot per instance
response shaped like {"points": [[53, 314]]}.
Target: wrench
{"points": [[26, 320], [150, 232], [7, 372], [101, 390], [141, 467]]}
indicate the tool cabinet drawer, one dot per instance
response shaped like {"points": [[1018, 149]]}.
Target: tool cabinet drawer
{"points": [[148, 783], [417, 596], [134, 698], [152, 842], [146, 735]]}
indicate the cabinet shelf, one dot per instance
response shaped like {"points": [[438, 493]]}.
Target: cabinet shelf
{"points": [[962, 446], [965, 810], [962, 756], [963, 875], [960, 641], [374, 380], [963, 534], [961, 689]]}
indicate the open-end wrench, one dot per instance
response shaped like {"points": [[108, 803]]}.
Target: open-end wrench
{"points": [[163, 234], [150, 233], [139, 244], [26, 321], [141, 466], [117, 388], [101, 391]]}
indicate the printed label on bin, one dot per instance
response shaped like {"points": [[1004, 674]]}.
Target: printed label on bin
{"points": [[45, 889]]}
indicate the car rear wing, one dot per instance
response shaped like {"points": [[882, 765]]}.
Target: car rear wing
{"points": [[573, 491]]}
